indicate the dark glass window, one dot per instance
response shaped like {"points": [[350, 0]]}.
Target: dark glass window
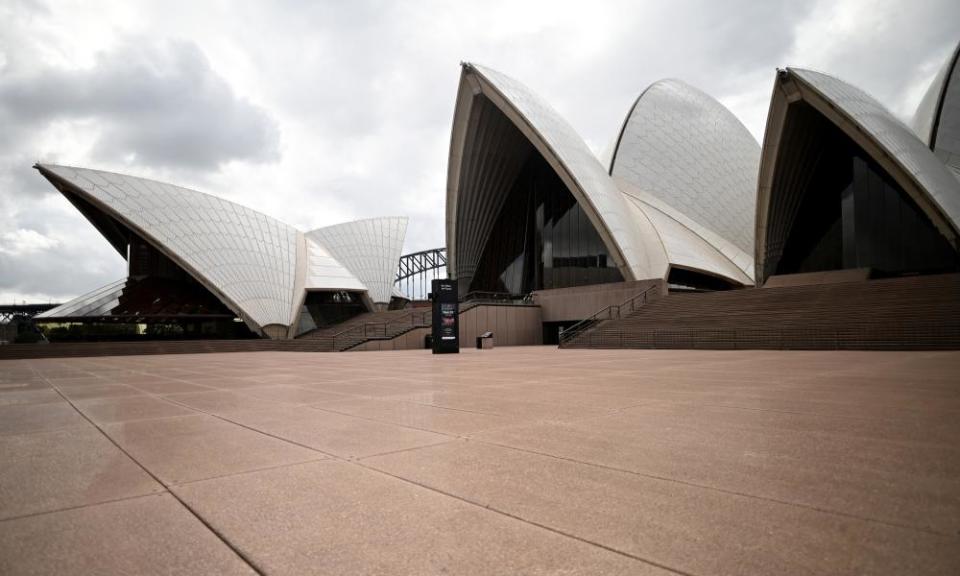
{"points": [[844, 211], [542, 239], [329, 308]]}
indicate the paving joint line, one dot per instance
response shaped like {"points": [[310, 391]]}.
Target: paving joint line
{"points": [[236, 550], [369, 419], [817, 414], [525, 520], [723, 490], [411, 449], [357, 462], [323, 458], [82, 506]]}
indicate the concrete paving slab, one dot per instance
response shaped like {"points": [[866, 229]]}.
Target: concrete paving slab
{"points": [[337, 434], [127, 408], [337, 518], [220, 401], [702, 461], [31, 396], [503, 404], [218, 382], [186, 448], [152, 535], [658, 519], [25, 418], [362, 387], [432, 418], [48, 471], [292, 394], [81, 382], [908, 483], [23, 385], [164, 386], [99, 391]]}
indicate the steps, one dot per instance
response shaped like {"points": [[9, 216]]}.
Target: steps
{"points": [[921, 312], [90, 349], [343, 336], [383, 325]]}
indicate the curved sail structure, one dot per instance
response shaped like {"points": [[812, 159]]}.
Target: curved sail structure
{"points": [[845, 184], [681, 147], [500, 126], [370, 249], [937, 119], [257, 267], [529, 206]]}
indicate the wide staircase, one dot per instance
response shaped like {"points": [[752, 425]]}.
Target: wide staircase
{"points": [[337, 338], [364, 327], [921, 312]]}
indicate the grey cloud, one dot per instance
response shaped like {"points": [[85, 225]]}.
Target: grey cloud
{"points": [[162, 104], [18, 176], [886, 57], [364, 91], [59, 274], [75, 259]]}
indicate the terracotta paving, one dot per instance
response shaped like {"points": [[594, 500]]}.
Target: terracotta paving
{"points": [[511, 461]]}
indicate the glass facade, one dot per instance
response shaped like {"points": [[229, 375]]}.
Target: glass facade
{"points": [[329, 308], [849, 213], [542, 239]]}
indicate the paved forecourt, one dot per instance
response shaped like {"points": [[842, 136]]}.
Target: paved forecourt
{"points": [[512, 461]]}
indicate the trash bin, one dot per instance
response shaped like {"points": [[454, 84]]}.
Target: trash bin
{"points": [[485, 341], [428, 341]]}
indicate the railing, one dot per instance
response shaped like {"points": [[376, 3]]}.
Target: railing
{"points": [[611, 312], [867, 337], [479, 295], [360, 333], [474, 299]]}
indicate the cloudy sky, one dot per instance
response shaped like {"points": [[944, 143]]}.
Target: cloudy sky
{"points": [[319, 112]]}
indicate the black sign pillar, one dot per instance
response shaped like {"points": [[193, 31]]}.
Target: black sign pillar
{"points": [[446, 321]]}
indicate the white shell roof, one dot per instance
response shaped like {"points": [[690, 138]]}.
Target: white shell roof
{"points": [[893, 136], [324, 272], [239, 253], [947, 144], [99, 301], [245, 258], [926, 113], [937, 119], [370, 249], [683, 147], [683, 184], [686, 242], [594, 188], [686, 249]]}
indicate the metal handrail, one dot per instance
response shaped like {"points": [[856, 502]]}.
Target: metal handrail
{"points": [[864, 337], [611, 312], [419, 319], [489, 296], [369, 330]]}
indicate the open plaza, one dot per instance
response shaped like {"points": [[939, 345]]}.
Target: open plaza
{"points": [[415, 319], [523, 460]]}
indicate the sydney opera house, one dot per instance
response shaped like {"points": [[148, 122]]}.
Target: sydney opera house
{"points": [[687, 201], [842, 184]]}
